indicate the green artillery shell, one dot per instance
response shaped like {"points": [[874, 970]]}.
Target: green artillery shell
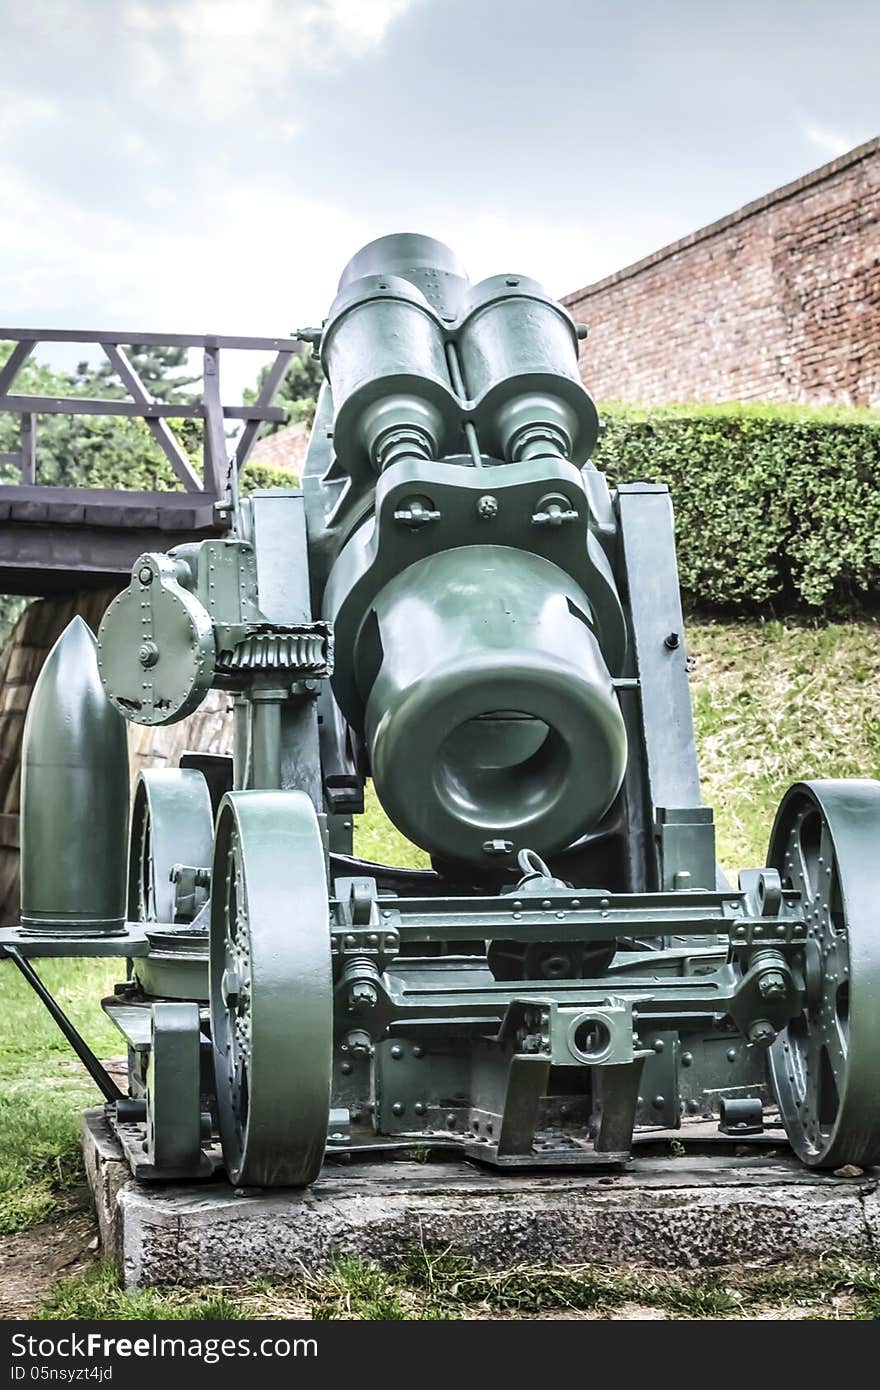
{"points": [[74, 797]]}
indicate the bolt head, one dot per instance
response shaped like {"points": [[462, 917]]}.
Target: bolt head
{"points": [[362, 995], [772, 985], [762, 1033], [487, 506], [148, 654], [230, 988], [359, 1043]]}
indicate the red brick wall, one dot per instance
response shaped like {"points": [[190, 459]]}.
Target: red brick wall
{"points": [[286, 448], [779, 301]]}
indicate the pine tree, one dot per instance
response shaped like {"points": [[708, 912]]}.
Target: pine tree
{"points": [[159, 369], [298, 393]]}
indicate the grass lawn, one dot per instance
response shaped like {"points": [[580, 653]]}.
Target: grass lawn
{"points": [[441, 1286], [773, 703]]}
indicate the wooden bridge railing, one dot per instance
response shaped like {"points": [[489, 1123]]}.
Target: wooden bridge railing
{"points": [[58, 539], [209, 408]]}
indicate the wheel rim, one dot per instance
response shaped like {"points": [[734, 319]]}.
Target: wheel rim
{"points": [[171, 823], [823, 1066], [271, 988]]}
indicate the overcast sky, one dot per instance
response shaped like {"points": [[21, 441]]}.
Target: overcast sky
{"points": [[209, 165]]}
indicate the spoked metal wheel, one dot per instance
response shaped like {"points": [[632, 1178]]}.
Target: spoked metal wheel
{"points": [[825, 1066], [171, 823], [271, 988]]}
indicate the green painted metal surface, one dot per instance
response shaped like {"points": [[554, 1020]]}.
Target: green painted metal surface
{"points": [[74, 797], [458, 606], [824, 1065], [271, 988], [171, 824], [490, 718]]}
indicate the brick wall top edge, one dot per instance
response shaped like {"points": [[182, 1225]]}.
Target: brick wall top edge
{"points": [[789, 190]]}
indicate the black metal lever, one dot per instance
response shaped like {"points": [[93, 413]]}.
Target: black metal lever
{"points": [[99, 1074]]}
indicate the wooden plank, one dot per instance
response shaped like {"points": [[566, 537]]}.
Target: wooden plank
{"points": [[274, 377], [63, 513], [9, 831], [157, 410], [9, 890], [46, 559], [143, 517], [170, 511], [24, 663], [276, 413], [89, 335], [14, 698], [117, 497], [87, 405], [28, 449], [29, 509], [216, 461], [13, 364]]}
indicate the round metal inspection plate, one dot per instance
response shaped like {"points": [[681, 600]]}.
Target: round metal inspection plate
{"points": [[824, 1065], [156, 647], [271, 988]]}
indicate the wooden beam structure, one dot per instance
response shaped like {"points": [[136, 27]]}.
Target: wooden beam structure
{"points": [[58, 539]]}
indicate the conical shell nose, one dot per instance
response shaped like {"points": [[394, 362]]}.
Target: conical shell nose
{"points": [[74, 796]]}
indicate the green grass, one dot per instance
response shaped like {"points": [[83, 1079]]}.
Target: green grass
{"points": [[376, 838], [440, 1286], [772, 703], [97, 1294], [43, 1088], [775, 703]]}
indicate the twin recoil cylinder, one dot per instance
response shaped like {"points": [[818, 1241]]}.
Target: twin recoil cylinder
{"points": [[488, 711], [485, 700], [414, 353]]}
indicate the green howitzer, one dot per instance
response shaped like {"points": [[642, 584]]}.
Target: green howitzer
{"points": [[455, 605]]}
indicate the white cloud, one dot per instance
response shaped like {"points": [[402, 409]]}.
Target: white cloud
{"points": [[228, 56], [270, 265], [831, 142], [22, 115], [343, 26], [560, 253]]}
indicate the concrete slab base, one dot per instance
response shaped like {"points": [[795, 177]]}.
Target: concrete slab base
{"points": [[699, 1209]]}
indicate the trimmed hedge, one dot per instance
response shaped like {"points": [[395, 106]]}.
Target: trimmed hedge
{"points": [[775, 506]]}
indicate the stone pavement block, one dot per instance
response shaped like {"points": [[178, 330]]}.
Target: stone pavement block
{"points": [[691, 1211]]}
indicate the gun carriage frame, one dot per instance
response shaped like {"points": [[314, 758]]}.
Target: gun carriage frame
{"points": [[457, 605]]}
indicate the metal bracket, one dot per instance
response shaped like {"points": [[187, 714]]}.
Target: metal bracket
{"points": [[174, 1117]]}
